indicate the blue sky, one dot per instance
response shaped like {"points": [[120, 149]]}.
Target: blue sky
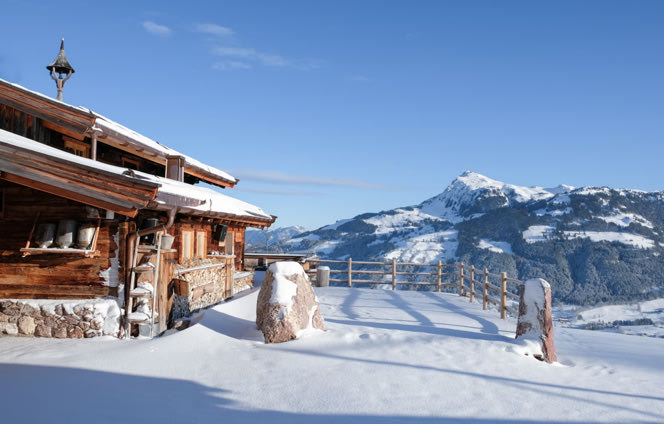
{"points": [[328, 109]]}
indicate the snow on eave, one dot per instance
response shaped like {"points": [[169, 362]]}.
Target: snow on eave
{"points": [[141, 142], [25, 144], [189, 198], [203, 201], [44, 97]]}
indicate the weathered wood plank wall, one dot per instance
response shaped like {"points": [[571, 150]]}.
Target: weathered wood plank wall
{"points": [[51, 275]]}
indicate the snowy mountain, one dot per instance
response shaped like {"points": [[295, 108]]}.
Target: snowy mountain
{"points": [[255, 239], [593, 244], [472, 194]]}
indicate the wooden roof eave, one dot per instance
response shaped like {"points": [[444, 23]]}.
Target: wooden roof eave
{"points": [[124, 143], [75, 181], [81, 173], [123, 209], [209, 178], [238, 219], [67, 116]]}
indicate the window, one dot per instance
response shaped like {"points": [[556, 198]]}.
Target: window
{"points": [[76, 147], [187, 247], [201, 244]]}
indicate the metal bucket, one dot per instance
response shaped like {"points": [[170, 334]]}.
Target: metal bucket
{"points": [[166, 241], [66, 231], [45, 235], [86, 233]]}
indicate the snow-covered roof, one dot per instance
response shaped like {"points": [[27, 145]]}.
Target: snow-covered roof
{"points": [[190, 199], [128, 139], [142, 142], [199, 200]]}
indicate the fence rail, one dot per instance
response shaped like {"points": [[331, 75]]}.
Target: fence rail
{"points": [[468, 278]]}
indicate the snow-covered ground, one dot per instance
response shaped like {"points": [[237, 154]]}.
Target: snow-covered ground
{"points": [[617, 318], [386, 357]]}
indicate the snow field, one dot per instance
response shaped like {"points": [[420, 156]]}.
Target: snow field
{"points": [[385, 357]]}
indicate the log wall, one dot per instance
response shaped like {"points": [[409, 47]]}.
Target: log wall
{"points": [[51, 275]]}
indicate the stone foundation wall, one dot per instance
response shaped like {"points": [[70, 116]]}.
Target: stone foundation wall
{"points": [[74, 319]]}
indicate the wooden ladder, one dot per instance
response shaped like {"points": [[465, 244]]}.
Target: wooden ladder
{"points": [[137, 269]]}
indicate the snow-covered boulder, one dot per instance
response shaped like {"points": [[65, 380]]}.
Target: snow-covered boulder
{"points": [[286, 303], [534, 329]]}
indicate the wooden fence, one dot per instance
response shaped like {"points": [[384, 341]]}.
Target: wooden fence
{"points": [[466, 279]]}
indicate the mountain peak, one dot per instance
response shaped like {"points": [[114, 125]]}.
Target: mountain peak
{"points": [[473, 193], [474, 181]]}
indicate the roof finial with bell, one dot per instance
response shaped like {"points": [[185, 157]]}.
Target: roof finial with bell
{"points": [[61, 67]]}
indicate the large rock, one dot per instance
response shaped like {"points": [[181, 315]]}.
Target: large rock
{"points": [[286, 303], [26, 325], [8, 328], [534, 327]]}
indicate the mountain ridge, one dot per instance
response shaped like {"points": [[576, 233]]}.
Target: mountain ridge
{"points": [[592, 244]]}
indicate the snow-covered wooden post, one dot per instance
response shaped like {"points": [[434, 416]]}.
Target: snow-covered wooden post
{"points": [[485, 290], [439, 279], [535, 324], [472, 282], [350, 272], [460, 278], [323, 276], [503, 295], [394, 274]]}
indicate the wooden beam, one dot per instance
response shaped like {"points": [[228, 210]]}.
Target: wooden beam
{"points": [[131, 212], [48, 109], [55, 127]]}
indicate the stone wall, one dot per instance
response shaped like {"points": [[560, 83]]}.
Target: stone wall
{"points": [[61, 319]]}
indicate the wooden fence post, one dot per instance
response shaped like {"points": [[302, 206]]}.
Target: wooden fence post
{"points": [[394, 274], [460, 278], [440, 276], [485, 292], [350, 272], [503, 295], [472, 282]]}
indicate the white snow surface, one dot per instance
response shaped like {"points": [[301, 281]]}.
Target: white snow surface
{"points": [[426, 248], [326, 247], [537, 233], [283, 289], [385, 357], [608, 314], [402, 219], [201, 199], [495, 246], [634, 240], [622, 219]]}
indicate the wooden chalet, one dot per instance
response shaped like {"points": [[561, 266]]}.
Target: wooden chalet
{"points": [[59, 164]]}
